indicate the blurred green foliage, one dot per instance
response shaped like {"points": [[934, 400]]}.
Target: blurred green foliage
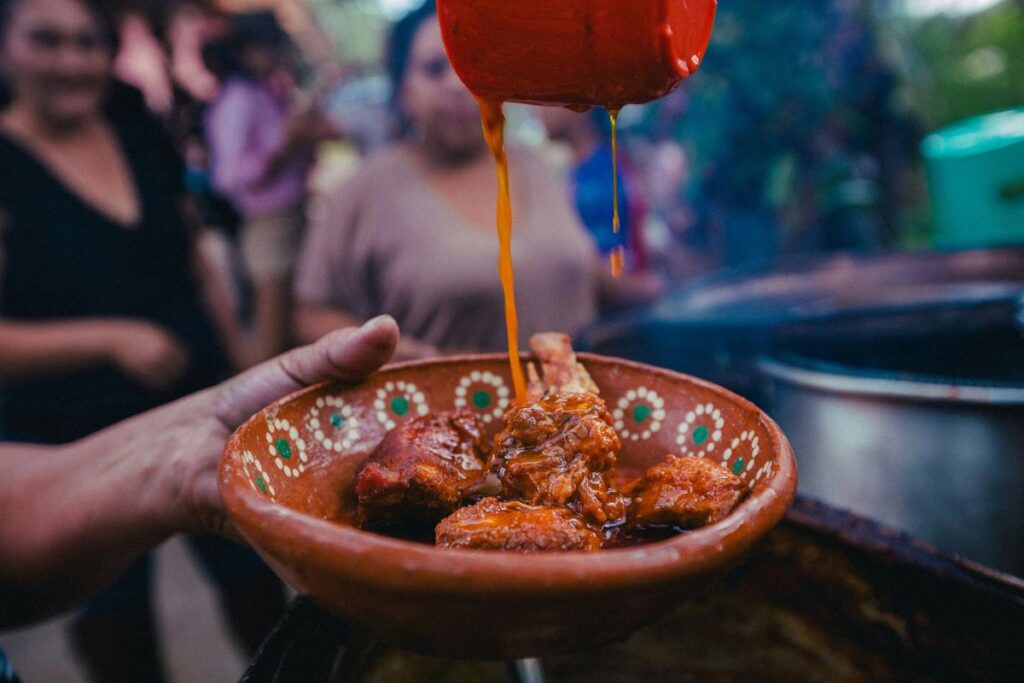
{"points": [[965, 66], [358, 29]]}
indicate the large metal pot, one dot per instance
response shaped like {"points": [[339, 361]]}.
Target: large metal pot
{"points": [[718, 326], [932, 443]]}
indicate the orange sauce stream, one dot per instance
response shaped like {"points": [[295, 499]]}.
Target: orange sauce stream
{"points": [[494, 131], [493, 120], [617, 261], [618, 255]]}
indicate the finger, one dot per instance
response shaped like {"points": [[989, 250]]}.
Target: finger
{"points": [[349, 354]]}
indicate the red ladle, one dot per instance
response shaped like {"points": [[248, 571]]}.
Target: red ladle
{"points": [[575, 53]]}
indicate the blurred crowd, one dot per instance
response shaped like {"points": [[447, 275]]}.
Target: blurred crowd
{"points": [[793, 135], [185, 192]]}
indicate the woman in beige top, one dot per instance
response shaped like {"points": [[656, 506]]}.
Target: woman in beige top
{"points": [[413, 233]]}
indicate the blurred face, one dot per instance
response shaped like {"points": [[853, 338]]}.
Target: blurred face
{"points": [[437, 102], [56, 59]]}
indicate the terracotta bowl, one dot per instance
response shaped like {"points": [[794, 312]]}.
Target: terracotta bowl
{"points": [[287, 481]]}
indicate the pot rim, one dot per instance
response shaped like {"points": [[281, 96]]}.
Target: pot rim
{"points": [[838, 378], [733, 286]]}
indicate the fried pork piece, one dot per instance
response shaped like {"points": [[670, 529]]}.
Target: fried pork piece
{"points": [[687, 492], [559, 449], [419, 472], [493, 524], [563, 374]]}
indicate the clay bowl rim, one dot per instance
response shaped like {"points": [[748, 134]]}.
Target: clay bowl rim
{"points": [[406, 566]]}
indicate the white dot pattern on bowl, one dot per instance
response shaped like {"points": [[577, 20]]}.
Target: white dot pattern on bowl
{"points": [[286, 445], [742, 451], [257, 477], [638, 414], [333, 423], [700, 431], [484, 392], [764, 471], [396, 400], [683, 423]]}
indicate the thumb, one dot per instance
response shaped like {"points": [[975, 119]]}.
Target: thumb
{"points": [[349, 354]]}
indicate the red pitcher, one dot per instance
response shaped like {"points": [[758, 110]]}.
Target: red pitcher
{"points": [[576, 53]]}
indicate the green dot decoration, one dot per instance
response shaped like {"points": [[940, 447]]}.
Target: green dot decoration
{"points": [[701, 434], [481, 399], [483, 392], [284, 449], [641, 412], [399, 405]]}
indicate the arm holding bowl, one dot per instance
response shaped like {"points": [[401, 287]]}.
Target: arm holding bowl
{"points": [[73, 517]]}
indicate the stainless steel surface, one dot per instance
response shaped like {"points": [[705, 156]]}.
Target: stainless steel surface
{"points": [[894, 386], [943, 460]]}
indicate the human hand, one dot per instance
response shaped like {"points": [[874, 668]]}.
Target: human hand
{"points": [[146, 353], [143, 479], [193, 434]]}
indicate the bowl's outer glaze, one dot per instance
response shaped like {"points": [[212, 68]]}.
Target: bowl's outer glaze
{"points": [[287, 476]]}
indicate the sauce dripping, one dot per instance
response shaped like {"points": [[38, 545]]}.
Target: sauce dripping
{"points": [[617, 258], [494, 131], [493, 121]]}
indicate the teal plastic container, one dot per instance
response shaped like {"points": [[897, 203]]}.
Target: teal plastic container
{"points": [[976, 181]]}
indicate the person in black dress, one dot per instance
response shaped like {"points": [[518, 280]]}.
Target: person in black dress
{"points": [[102, 316]]}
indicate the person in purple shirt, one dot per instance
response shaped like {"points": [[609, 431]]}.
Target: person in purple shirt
{"points": [[261, 151]]}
